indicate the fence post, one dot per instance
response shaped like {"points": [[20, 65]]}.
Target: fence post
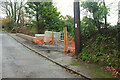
{"points": [[65, 40]]}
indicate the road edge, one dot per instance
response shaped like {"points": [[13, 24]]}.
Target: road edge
{"points": [[61, 65]]}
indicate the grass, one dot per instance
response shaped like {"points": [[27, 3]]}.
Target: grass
{"points": [[76, 63], [92, 70]]}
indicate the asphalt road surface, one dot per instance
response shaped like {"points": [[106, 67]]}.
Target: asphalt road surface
{"points": [[20, 62]]}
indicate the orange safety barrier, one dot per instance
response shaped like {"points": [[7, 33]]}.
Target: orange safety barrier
{"points": [[38, 41], [71, 46]]}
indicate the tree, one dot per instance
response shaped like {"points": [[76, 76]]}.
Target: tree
{"points": [[5, 8], [11, 8], [7, 23], [69, 23], [98, 10], [45, 14], [87, 25]]}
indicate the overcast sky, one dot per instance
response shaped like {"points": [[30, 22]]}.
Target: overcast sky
{"points": [[66, 8]]}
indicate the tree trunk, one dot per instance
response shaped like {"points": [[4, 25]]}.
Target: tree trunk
{"points": [[97, 23], [99, 27], [18, 17], [15, 12], [105, 16], [7, 10], [7, 14], [37, 19], [19, 13], [11, 5]]}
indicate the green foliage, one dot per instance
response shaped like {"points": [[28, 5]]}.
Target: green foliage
{"points": [[87, 25], [8, 24], [69, 23], [84, 57], [47, 18], [102, 49], [99, 38], [97, 9], [46, 15], [88, 57]]}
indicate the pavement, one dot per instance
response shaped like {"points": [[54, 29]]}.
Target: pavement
{"points": [[88, 70], [20, 62]]}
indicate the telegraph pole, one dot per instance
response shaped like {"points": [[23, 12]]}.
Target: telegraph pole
{"points": [[77, 37]]}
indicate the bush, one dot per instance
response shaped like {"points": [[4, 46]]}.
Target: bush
{"points": [[101, 48]]}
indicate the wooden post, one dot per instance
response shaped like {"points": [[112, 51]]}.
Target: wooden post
{"points": [[65, 40], [78, 45]]}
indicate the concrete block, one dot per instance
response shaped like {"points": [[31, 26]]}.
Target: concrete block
{"points": [[39, 35], [48, 36]]}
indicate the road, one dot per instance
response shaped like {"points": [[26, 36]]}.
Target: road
{"points": [[20, 62]]}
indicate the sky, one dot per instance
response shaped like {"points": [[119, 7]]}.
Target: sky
{"points": [[66, 8]]}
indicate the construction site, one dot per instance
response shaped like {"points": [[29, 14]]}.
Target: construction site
{"points": [[52, 41]]}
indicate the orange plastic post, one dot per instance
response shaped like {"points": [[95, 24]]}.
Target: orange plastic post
{"points": [[53, 41], [65, 40]]}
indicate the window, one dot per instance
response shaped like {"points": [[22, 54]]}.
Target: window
{"points": [[119, 11]]}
